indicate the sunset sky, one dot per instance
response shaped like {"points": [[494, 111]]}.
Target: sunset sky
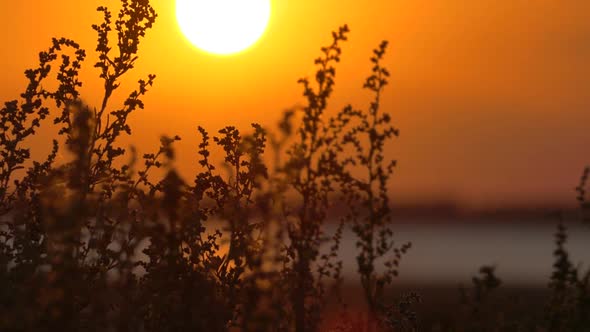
{"points": [[492, 97]]}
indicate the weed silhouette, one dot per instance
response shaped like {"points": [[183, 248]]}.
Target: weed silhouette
{"points": [[100, 242]]}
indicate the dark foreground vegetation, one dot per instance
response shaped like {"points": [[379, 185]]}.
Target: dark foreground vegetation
{"points": [[108, 241]]}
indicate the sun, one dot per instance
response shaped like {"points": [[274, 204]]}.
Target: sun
{"points": [[223, 27]]}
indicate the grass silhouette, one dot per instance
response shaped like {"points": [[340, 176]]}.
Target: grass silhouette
{"points": [[98, 243]]}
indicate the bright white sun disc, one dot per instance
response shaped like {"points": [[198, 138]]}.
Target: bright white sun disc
{"points": [[223, 26]]}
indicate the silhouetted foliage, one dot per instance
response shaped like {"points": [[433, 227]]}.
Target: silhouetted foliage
{"points": [[99, 242], [310, 172], [370, 215], [477, 301], [569, 306], [582, 198]]}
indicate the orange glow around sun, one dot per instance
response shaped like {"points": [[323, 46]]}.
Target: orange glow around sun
{"points": [[223, 26]]}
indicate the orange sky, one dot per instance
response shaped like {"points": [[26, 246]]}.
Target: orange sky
{"points": [[492, 97]]}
